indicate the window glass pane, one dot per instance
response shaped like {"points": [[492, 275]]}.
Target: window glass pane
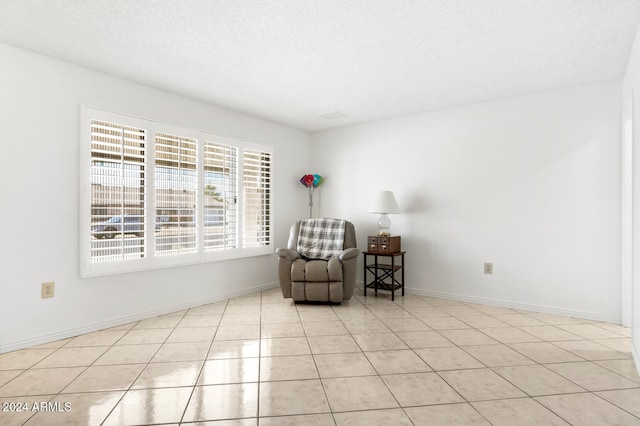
{"points": [[220, 196], [118, 187], [176, 194], [209, 194], [256, 179]]}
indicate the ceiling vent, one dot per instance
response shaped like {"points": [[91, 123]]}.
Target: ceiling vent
{"points": [[332, 115]]}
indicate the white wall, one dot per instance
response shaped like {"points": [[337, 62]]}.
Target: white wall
{"points": [[531, 184], [39, 178], [631, 254]]}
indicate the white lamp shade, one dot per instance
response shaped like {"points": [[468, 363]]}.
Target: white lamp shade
{"points": [[385, 203]]}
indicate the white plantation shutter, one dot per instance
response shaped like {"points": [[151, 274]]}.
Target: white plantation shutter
{"points": [[256, 183], [220, 196], [158, 195], [118, 192], [176, 189]]}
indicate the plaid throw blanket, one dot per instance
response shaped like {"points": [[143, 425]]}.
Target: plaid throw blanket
{"points": [[321, 238]]}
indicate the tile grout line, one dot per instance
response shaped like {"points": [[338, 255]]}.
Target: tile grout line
{"points": [[434, 371], [386, 318], [526, 395], [315, 363], [204, 361], [143, 369]]}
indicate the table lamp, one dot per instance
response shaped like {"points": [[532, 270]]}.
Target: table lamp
{"points": [[385, 204]]}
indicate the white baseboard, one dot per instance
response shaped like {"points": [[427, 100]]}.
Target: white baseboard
{"points": [[635, 353], [76, 331], [515, 305], [635, 346], [64, 334], [509, 304]]}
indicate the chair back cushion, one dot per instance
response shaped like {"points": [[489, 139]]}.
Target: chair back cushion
{"points": [[321, 238]]}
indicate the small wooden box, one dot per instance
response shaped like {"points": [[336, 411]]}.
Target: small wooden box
{"points": [[383, 244]]}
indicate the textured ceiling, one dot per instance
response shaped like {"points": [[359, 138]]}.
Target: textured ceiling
{"points": [[289, 61]]}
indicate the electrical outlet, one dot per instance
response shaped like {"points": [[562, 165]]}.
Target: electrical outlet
{"points": [[48, 289], [488, 268]]}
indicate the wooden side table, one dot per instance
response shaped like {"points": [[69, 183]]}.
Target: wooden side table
{"points": [[384, 273]]}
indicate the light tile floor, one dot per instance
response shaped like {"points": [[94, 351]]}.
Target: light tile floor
{"points": [[261, 359]]}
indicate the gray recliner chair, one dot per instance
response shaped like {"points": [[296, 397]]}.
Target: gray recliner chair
{"points": [[328, 279]]}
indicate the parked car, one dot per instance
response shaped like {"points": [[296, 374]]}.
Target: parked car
{"points": [[161, 221], [116, 225]]}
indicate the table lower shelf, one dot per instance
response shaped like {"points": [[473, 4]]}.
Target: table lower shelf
{"points": [[383, 266], [385, 276], [384, 286]]}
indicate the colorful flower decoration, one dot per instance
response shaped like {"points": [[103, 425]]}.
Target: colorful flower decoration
{"points": [[311, 182]]}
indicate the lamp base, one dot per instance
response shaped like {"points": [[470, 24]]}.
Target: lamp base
{"points": [[384, 223]]}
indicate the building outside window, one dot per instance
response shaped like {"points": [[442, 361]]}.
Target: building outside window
{"points": [[157, 195]]}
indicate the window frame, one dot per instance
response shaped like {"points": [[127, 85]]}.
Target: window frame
{"points": [[150, 260]]}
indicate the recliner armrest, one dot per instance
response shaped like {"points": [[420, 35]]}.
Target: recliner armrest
{"points": [[288, 254], [348, 254]]}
